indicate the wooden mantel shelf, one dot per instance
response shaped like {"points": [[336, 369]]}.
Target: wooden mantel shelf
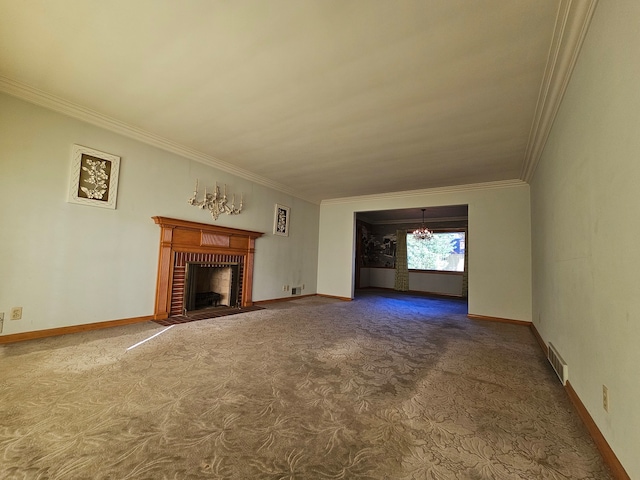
{"points": [[174, 223], [183, 236]]}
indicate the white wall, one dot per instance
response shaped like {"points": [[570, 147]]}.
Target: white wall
{"points": [[499, 243], [446, 284], [68, 264], [585, 200], [440, 283]]}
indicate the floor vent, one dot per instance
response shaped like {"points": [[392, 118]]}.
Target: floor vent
{"points": [[558, 364]]}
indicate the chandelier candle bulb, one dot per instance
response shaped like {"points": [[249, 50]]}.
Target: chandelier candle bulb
{"points": [[215, 203]]}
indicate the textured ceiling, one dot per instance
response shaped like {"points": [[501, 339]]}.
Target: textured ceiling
{"points": [[323, 98]]}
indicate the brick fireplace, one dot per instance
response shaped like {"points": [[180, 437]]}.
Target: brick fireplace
{"points": [[184, 243]]}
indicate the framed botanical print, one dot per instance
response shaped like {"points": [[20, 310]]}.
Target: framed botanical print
{"points": [[94, 177], [281, 220]]}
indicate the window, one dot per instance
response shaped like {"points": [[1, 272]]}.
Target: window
{"points": [[444, 252]]}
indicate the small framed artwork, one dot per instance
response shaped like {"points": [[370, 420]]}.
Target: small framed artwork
{"points": [[281, 220], [94, 177]]}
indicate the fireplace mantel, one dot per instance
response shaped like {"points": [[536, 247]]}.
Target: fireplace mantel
{"points": [[182, 237]]}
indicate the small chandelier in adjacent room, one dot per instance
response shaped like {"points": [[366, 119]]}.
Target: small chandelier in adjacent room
{"points": [[423, 233]]}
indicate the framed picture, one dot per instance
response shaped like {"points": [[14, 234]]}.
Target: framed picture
{"points": [[94, 177], [281, 220]]}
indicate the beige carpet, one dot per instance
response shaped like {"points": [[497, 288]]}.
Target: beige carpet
{"points": [[384, 387]]}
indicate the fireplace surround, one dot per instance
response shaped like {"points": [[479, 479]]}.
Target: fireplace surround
{"points": [[183, 242]]}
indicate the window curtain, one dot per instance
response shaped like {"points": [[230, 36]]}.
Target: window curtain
{"points": [[402, 271], [465, 275]]}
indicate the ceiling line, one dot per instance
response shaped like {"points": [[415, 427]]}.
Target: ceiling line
{"points": [[60, 105], [410, 221], [570, 30], [571, 26], [427, 191]]}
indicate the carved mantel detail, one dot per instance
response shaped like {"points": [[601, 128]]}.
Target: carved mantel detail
{"points": [[178, 236]]}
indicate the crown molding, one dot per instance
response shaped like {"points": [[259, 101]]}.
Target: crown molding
{"points": [[427, 191], [57, 104], [411, 221], [572, 23]]}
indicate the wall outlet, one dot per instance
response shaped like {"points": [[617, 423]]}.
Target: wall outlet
{"points": [[303, 286], [605, 398], [16, 313], [1, 321]]}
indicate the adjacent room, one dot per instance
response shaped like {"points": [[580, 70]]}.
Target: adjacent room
{"points": [[319, 239]]}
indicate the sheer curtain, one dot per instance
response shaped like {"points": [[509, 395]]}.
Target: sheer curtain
{"points": [[402, 271], [465, 275]]}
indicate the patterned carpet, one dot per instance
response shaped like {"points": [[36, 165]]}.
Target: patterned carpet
{"points": [[384, 387], [206, 314]]}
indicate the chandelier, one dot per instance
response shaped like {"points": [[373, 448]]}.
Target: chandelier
{"points": [[216, 203], [423, 233]]}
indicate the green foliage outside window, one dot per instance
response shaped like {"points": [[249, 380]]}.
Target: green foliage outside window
{"points": [[444, 252]]}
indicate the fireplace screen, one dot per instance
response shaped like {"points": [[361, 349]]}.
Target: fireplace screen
{"points": [[210, 285]]}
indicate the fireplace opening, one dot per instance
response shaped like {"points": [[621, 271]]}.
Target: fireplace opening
{"points": [[211, 286]]}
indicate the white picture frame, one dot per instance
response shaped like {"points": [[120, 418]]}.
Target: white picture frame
{"points": [[281, 220], [94, 177]]}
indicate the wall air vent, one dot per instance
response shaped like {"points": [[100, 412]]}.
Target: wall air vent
{"points": [[558, 364], [296, 290]]}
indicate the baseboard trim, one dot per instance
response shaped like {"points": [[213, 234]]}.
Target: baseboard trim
{"points": [[536, 334], [609, 457], [344, 299], [607, 453], [283, 299], [498, 319], [54, 332]]}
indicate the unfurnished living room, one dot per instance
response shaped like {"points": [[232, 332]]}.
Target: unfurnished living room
{"points": [[319, 239]]}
